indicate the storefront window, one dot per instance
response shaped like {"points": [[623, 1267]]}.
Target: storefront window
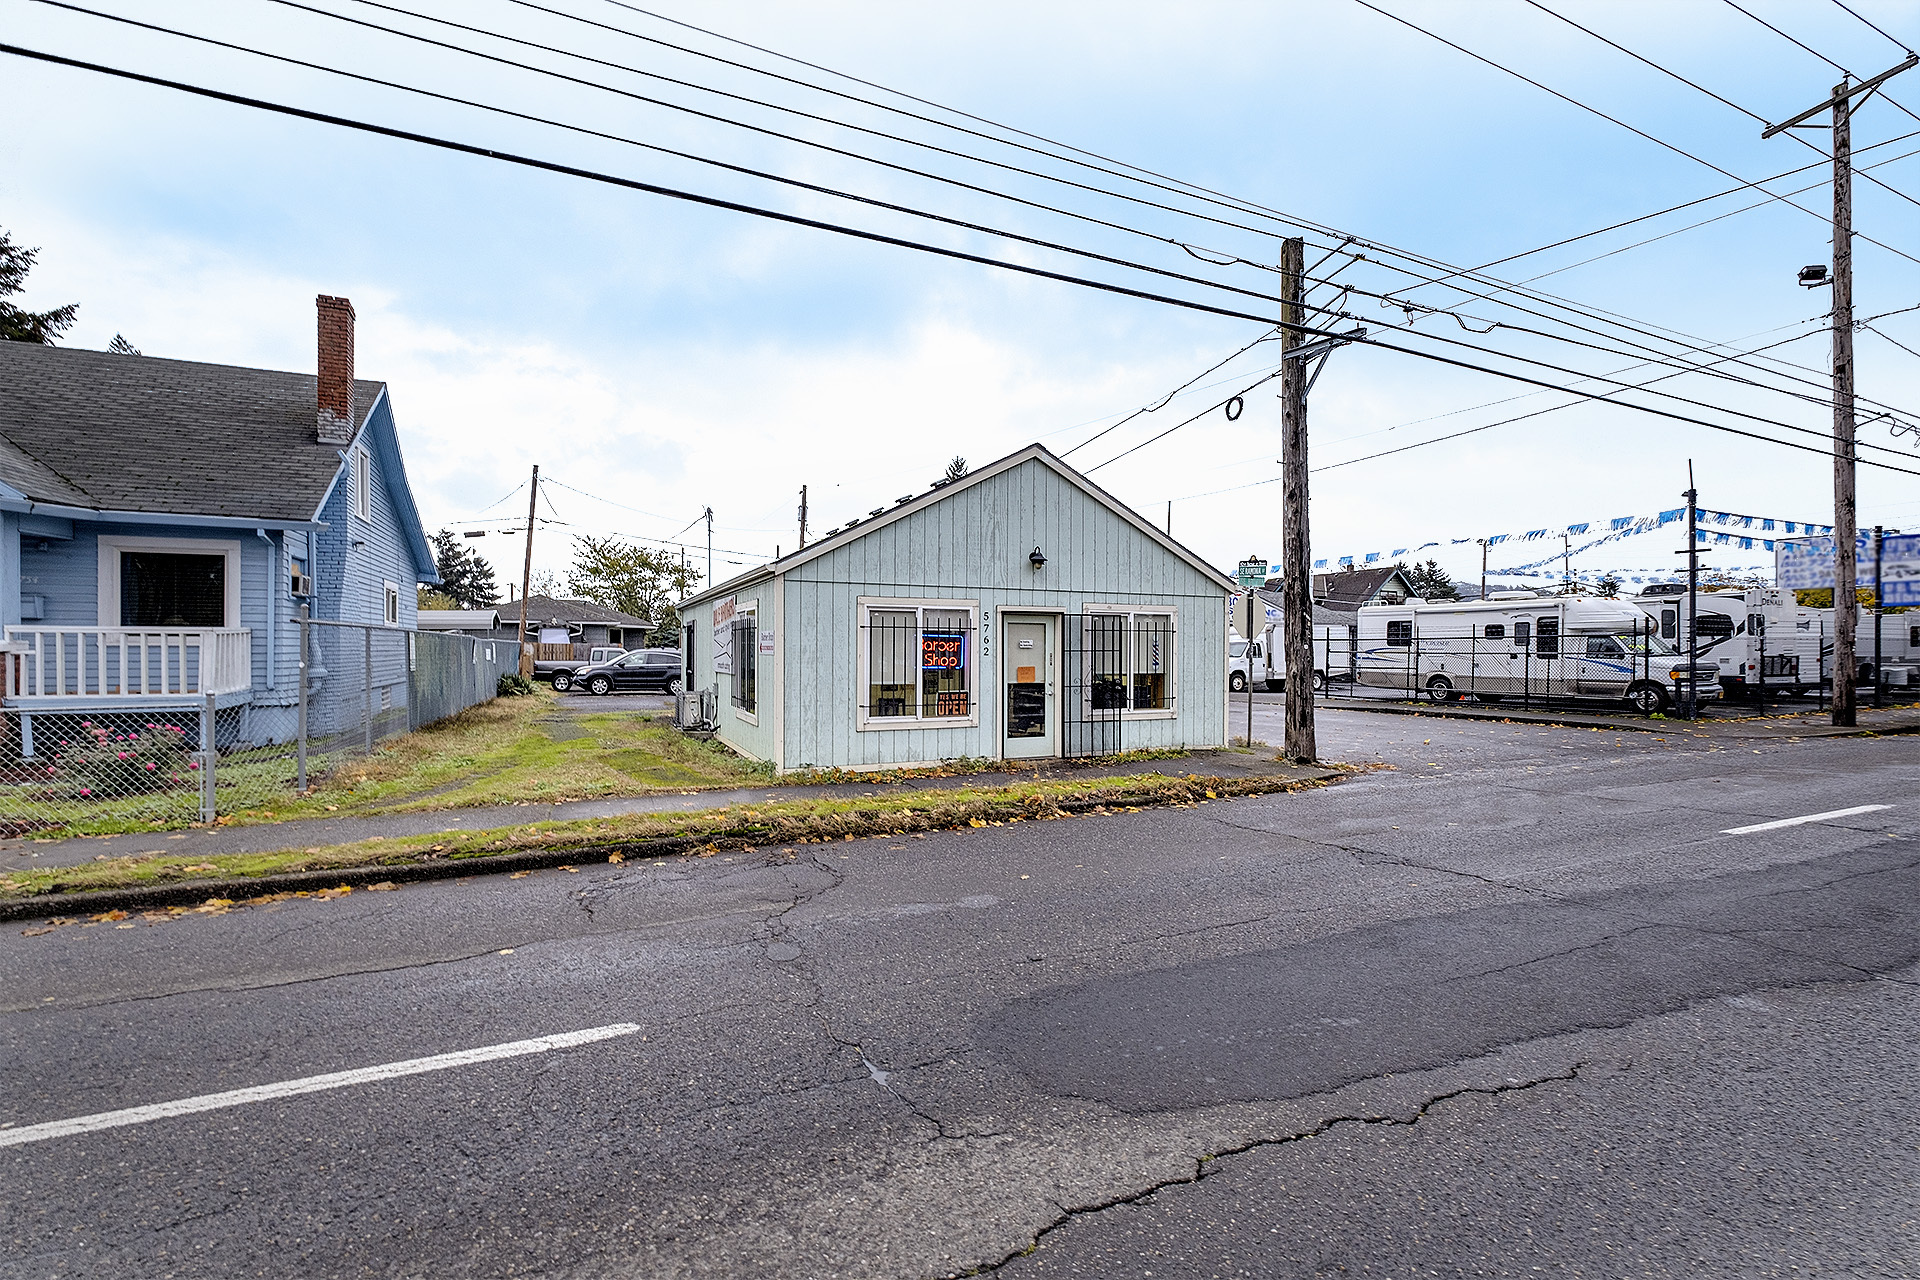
{"points": [[745, 653], [919, 662], [1152, 657], [1130, 661]]}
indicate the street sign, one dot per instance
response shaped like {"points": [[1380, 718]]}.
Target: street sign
{"points": [[1806, 564], [1252, 572]]}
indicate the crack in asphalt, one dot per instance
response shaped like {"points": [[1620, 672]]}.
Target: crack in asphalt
{"points": [[1206, 1165]]}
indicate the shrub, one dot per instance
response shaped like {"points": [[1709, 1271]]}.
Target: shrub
{"points": [[514, 685], [118, 760]]}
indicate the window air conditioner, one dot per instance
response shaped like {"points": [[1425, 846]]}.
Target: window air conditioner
{"points": [[302, 584]]}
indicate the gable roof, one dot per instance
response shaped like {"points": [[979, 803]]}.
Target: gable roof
{"points": [[106, 432], [858, 529], [1323, 615], [554, 609], [1350, 590]]}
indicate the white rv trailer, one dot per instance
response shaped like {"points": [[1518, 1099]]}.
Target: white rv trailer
{"points": [[1763, 640], [1519, 645]]}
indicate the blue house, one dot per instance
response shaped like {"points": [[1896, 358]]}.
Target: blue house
{"points": [[163, 521]]}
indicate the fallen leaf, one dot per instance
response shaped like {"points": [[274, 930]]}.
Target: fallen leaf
{"points": [[616, 857], [520, 875], [571, 870], [506, 951], [385, 886], [1212, 796], [975, 822], [111, 915]]}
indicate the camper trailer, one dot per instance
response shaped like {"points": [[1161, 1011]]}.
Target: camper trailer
{"points": [[1522, 646], [1764, 641]]}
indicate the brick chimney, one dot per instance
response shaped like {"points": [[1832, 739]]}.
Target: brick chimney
{"points": [[337, 414]]}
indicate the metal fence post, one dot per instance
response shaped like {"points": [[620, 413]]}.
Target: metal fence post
{"points": [[301, 768], [366, 636], [209, 802]]}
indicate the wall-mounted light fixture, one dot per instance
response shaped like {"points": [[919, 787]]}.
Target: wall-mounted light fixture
{"points": [[1036, 557]]}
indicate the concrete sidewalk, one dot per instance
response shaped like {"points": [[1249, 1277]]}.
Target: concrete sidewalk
{"points": [[318, 832]]}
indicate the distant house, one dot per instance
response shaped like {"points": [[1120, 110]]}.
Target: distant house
{"points": [[161, 522], [580, 624], [1357, 587]]}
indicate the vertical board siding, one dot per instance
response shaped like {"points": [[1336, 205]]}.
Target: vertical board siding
{"points": [[974, 545]]}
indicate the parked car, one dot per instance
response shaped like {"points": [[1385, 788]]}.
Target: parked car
{"points": [[647, 669], [561, 672]]}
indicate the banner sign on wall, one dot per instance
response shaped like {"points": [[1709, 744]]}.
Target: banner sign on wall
{"points": [[723, 636]]}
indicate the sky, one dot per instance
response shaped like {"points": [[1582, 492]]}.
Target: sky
{"points": [[657, 357]]}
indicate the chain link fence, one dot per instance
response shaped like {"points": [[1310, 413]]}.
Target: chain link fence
{"points": [[136, 763]]}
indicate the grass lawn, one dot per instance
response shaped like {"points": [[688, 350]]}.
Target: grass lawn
{"points": [[500, 752], [520, 749]]}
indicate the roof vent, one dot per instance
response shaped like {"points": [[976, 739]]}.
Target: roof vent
{"points": [[877, 511], [903, 501]]}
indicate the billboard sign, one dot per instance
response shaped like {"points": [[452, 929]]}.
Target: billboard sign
{"points": [[1806, 564]]}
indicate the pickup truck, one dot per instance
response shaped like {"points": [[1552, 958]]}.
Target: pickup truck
{"points": [[560, 671]]}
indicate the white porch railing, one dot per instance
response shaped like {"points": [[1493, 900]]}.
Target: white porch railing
{"points": [[67, 662]]}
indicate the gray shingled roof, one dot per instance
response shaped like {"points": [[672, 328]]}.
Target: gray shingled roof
{"points": [[139, 433], [554, 609]]}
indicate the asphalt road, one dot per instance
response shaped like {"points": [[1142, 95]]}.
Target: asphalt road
{"points": [[1512, 1006]]}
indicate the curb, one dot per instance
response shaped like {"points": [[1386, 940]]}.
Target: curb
{"points": [[195, 892], [1576, 721]]}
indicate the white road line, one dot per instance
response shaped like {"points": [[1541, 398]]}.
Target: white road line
{"points": [[1795, 822], [309, 1084]]}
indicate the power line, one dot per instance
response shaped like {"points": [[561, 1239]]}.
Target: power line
{"points": [[899, 242], [1667, 71], [1167, 399], [832, 191], [1615, 120], [793, 182], [840, 151], [1902, 45]]}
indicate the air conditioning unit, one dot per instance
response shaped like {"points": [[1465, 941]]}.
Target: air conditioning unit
{"points": [[302, 585]]}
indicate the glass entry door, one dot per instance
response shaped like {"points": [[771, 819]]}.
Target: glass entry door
{"points": [[1030, 714]]}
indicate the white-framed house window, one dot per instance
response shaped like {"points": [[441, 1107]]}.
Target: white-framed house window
{"points": [[918, 663], [390, 613], [171, 583], [1130, 657], [362, 483]]}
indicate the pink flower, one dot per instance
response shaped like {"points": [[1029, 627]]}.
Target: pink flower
{"points": [[86, 791], [51, 769], [193, 764], [150, 766], [86, 724], [121, 754]]}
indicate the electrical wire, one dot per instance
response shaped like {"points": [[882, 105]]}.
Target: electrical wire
{"points": [[740, 169], [1895, 341], [899, 242], [1900, 44], [1167, 399], [1752, 115], [778, 178], [1615, 120], [825, 190]]}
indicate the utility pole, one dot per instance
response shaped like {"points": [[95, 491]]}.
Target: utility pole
{"points": [[1566, 564], [1845, 530], [1295, 565], [1879, 535], [1483, 568], [707, 515], [1169, 517], [803, 517], [526, 575], [1693, 596]]}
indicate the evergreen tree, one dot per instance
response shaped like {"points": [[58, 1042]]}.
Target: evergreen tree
{"points": [[956, 468], [1608, 587], [1429, 581], [121, 347], [465, 578], [17, 324]]}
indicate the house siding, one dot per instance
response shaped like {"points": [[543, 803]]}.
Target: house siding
{"points": [[974, 546]]}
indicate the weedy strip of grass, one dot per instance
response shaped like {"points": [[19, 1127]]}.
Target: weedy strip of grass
{"points": [[768, 825]]}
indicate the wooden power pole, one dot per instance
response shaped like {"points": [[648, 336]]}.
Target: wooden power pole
{"points": [[803, 517], [526, 576], [1845, 531], [1295, 554]]}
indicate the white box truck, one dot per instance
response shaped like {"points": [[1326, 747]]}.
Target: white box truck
{"points": [[1519, 645], [1262, 661]]}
